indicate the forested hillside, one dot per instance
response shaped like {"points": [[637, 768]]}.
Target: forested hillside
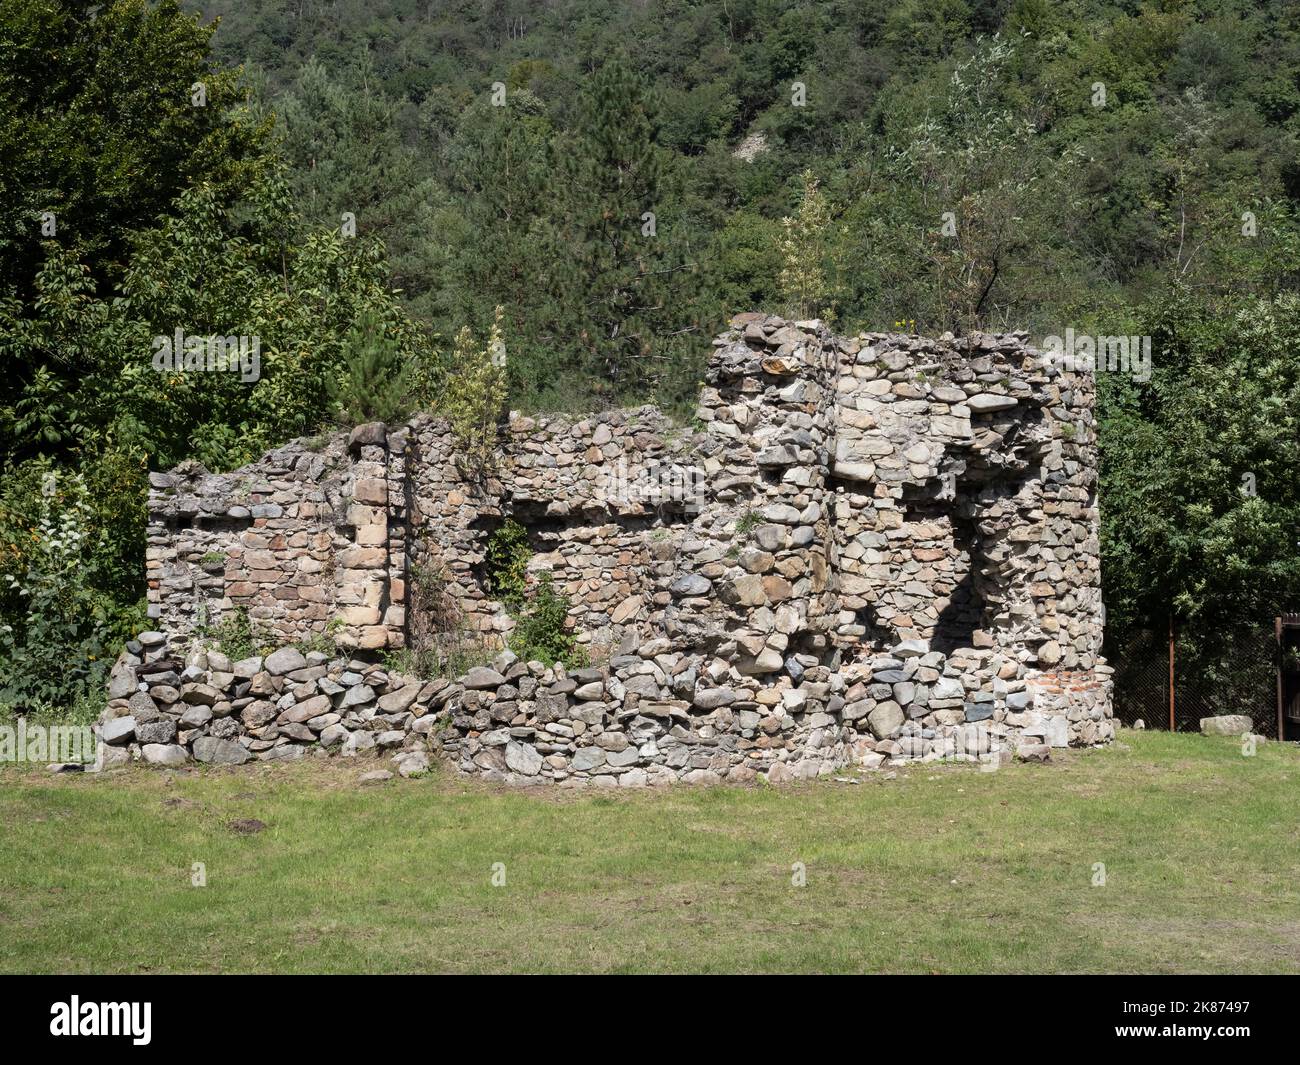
{"points": [[1094, 156], [620, 178]]}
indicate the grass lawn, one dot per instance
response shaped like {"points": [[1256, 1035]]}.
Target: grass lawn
{"points": [[942, 869]]}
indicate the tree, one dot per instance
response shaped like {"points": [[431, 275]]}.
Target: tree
{"points": [[377, 383], [618, 273], [346, 158], [474, 395], [805, 252], [1201, 508], [107, 111], [176, 235], [500, 181]]}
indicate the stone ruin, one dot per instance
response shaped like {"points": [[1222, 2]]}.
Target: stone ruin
{"points": [[866, 551]]}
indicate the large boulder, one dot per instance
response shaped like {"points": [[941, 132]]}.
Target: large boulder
{"points": [[886, 719], [285, 660], [156, 733], [172, 755], [523, 758], [1226, 725], [481, 678], [119, 731]]}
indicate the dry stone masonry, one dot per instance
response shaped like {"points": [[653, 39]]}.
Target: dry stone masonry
{"points": [[866, 551]]}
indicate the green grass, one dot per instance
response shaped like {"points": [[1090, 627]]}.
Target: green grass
{"points": [[943, 869]]}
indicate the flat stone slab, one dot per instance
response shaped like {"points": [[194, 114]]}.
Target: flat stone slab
{"points": [[1226, 725]]}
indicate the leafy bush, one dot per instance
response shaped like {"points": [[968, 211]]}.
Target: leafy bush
{"points": [[474, 394], [541, 632], [506, 561], [57, 629]]}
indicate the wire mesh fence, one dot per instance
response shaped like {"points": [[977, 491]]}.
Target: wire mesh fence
{"points": [[1233, 674]]}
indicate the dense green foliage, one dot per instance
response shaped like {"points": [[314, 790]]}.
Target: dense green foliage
{"points": [[619, 178], [1201, 501], [505, 563], [377, 380], [541, 632], [541, 614], [175, 223]]}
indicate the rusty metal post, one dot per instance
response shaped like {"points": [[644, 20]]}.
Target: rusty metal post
{"points": [[1171, 673], [1277, 635]]}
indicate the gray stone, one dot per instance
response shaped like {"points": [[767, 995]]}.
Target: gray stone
{"points": [[986, 402], [196, 716], [712, 698], [359, 741], [1226, 725], [333, 735], [247, 668], [285, 660], [119, 731], [587, 758], [886, 719], [691, 584], [156, 733], [219, 752], [523, 758], [285, 752], [165, 754], [108, 759], [413, 764], [396, 702], [122, 684], [481, 678]]}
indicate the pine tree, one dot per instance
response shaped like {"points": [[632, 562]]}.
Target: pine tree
{"points": [[378, 381], [500, 182], [342, 140], [617, 271]]}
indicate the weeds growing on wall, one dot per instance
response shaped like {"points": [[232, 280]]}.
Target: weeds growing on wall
{"points": [[439, 643], [325, 643], [541, 613], [237, 636], [506, 563], [541, 633]]}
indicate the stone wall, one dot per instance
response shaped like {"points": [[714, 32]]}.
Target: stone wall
{"points": [[304, 540], [866, 550]]}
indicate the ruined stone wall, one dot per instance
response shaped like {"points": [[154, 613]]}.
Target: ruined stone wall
{"points": [[865, 550], [304, 540]]}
